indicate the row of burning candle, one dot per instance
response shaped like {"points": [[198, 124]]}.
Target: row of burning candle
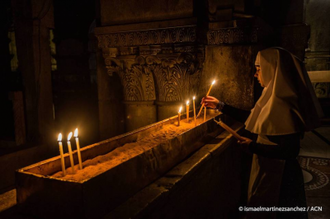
{"points": [[194, 107], [77, 139], [187, 112], [59, 139]]}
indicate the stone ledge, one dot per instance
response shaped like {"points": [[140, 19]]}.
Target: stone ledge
{"points": [[142, 204], [96, 195]]}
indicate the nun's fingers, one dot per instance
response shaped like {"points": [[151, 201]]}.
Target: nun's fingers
{"points": [[202, 101]]}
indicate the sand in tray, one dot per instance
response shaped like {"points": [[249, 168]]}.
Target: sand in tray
{"points": [[102, 163]]}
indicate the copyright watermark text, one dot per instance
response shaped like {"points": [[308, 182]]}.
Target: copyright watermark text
{"points": [[281, 209]]}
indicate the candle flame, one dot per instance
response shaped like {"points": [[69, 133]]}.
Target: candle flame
{"points": [[76, 133], [213, 82], [69, 136], [180, 109], [193, 97], [187, 102], [59, 137]]}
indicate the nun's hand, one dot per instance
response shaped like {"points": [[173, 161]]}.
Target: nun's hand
{"points": [[245, 142], [210, 101]]}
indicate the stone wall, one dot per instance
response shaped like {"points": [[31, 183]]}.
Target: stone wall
{"points": [[232, 68], [317, 57], [131, 11], [318, 51], [162, 61], [164, 58]]}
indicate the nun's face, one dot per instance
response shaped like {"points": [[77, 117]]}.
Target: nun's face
{"points": [[258, 76]]}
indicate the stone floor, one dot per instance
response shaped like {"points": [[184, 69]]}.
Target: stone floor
{"points": [[316, 174], [315, 162], [7, 200]]}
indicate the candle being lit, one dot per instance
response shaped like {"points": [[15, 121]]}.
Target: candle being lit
{"points": [[194, 110], [208, 92], [204, 113], [60, 145], [187, 110], [70, 151], [78, 148], [179, 115]]}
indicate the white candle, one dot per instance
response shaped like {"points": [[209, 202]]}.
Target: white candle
{"points": [[70, 151], [60, 145], [194, 110], [208, 92], [78, 148], [187, 110], [230, 130], [179, 115]]}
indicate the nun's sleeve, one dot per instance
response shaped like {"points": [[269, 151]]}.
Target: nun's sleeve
{"points": [[237, 114], [287, 147]]}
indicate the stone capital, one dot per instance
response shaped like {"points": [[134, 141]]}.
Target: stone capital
{"points": [[162, 77]]}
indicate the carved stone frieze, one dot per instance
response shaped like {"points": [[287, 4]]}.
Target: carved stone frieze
{"points": [[113, 65], [232, 36], [176, 77], [162, 77], [137, 81], [138, 84], [148, 37]]}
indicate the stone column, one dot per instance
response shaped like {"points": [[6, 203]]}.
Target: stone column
{"points": [[111, 108], [138, 89], [177, 77], [33, 19]]}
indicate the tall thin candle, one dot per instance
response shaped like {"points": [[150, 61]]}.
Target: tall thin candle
{"points": [[187, 110], [204, 113], [179, 115], [78, 148], [230, 130], [208, 92], [70, 151], [194, 110], [60, 145]]}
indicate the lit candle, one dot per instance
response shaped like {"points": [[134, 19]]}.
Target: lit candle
{"points": [[179, 115], [204, 113], [187, 110], [78, 148], [208, 92], [70, 151], [60, 145], [194, 110]]}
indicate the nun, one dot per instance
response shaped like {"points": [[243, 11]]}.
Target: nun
{"points": [[285, 110]]}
